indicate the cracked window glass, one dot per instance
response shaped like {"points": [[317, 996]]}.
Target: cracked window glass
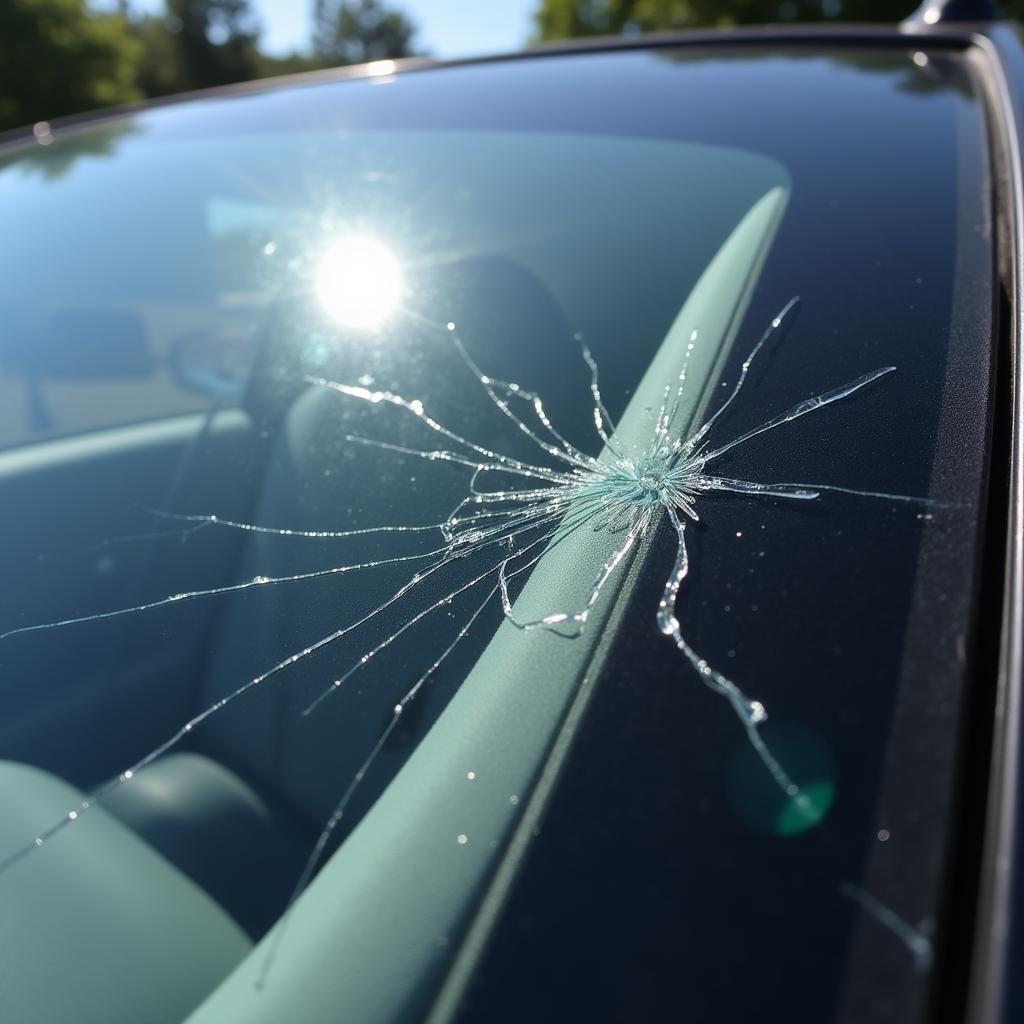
{"points": [[499, 533]]}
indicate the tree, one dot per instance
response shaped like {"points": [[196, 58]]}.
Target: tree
{"points": [[161, 70], [561, 19], [355, 31], [61, 60], [217, 41]]}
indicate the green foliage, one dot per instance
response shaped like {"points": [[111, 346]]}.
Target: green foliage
{"points": [[562, 19], [161, 70], [216, 40], [289, 64], [57, 157], [60, 60], [354, 31]]}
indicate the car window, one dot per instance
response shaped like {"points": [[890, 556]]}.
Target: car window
{"points": [[646, 395]]}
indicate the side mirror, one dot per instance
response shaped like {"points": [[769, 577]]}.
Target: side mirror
{"points": [[216, 363]]}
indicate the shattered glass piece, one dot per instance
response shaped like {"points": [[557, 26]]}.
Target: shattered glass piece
{"points": [[916, 941], [623, 493]]}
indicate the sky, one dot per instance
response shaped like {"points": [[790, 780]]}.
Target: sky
{"points": [[448, 28]]}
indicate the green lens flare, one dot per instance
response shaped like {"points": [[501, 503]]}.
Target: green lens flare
{"points": [[756, 796]]}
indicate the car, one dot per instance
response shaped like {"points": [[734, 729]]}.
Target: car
{"points": [[530, 538]]}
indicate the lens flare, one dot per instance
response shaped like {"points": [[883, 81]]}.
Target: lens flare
{"points": [[359, 282]]}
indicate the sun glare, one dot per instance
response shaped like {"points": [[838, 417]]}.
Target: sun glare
{"points": [[359, 282]]}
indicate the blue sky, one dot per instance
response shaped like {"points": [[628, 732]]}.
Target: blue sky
{"points": [[448, 28]]}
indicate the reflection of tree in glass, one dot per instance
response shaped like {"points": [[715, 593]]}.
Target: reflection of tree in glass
{"points": [[921, 74], [54, 157]]}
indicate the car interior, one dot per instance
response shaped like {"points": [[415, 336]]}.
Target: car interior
{"points": [[131, 899]]}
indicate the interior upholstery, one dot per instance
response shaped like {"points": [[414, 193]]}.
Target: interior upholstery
{"points": [[97, 927]]}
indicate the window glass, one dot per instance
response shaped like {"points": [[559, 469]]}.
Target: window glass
{"points": [[296, 393]]}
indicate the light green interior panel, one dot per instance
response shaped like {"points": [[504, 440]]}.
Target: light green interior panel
{"points": [[73, 953], [371, 938]]}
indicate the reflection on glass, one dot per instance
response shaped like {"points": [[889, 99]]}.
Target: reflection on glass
{"points": [[359, 282]]}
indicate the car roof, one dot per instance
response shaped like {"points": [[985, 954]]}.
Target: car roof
{"points": [[814, 36]]}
